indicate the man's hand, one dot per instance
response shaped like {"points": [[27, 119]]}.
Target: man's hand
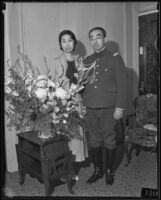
{"points": [[118, 113]]}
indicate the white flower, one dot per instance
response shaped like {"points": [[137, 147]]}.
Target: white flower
{"points": [[81, 67], [41, 77], [27, 81], [56, 109], [66, 115], [14, 93], [51, 95], [29, 88], [55, 121], [51, 83], [41, 83], [50, 103], [64, 102], [72, 89], [69, 104], [68, 96], [68, 108], [8, 90], [64, 121], [79, 88], [41, 93], [57, 85], [29, 74], [45, 106], [8, 80], [54, 116], [54, 102], [73, 86], [61, 93]]}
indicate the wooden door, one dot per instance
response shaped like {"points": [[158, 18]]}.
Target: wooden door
{"points": [[148, 54]]}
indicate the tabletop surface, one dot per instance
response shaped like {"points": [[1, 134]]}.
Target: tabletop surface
{"points": [[150, 127], [32, 136]]}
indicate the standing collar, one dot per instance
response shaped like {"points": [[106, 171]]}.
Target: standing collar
{"points": [[100, 52]]}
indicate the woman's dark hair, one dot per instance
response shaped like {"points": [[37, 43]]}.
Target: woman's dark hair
{"points": [[98, 28], [67, 32]]}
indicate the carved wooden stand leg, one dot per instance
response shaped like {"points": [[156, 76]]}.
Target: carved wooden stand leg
{"points": [[46, 178], [129, 148], [138, 149], [20, 165], [69, 176], [127, 153]]}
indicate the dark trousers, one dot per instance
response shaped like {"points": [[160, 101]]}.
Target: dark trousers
{"points": [[101, 124]]}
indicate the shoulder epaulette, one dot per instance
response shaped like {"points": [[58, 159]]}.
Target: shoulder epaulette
{"points": [[115, 54]]}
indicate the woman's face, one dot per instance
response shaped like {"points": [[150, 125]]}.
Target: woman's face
{"points": [[67, 43]]}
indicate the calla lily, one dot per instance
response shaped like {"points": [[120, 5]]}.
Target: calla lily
{"points": [[14, 93], [51, 83]]}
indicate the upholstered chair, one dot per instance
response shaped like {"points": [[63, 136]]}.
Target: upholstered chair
{"points": [[144, 132]]}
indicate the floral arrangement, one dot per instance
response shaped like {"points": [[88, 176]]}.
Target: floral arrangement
{"points": [[37, 102]]}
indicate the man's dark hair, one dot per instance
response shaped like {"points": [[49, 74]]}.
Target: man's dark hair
{"points": [[67, 32], [98, 28]]}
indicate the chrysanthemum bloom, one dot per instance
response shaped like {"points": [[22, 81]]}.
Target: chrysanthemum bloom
{"points": [[61, 93]]}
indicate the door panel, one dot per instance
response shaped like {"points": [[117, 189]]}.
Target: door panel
{"points": [[148, 54]]}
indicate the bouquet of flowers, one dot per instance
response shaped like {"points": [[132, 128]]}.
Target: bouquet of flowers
{"points": [[37, 102], [86, 73]]}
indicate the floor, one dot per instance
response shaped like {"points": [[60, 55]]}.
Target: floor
{"points": [[140, 173]]}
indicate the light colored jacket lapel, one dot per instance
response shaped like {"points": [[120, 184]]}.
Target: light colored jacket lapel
{"points": [[60, 68]]}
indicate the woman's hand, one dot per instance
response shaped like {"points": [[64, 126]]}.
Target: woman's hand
{"points": [[76, 75]]}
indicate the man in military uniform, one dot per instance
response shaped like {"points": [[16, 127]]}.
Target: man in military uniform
{"points": [[104, 97]]}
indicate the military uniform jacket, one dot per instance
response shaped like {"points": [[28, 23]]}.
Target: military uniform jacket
{"points": [[109, 88]]}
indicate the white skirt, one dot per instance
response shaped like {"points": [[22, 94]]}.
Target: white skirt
{"points": [[79, 147]]}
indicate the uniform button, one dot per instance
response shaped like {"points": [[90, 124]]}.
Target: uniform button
{"points": [[95, 79], [96, 72], [95, 86], [106, 70], [97, 65]]}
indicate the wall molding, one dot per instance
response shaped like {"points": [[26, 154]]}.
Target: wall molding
{"points": [[7, 34], [135, 52], [21, 25], [125, 34], [148, 12], [147, 6]]}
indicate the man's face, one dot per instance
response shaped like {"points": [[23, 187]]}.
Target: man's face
{"points": [[97, 40]]}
